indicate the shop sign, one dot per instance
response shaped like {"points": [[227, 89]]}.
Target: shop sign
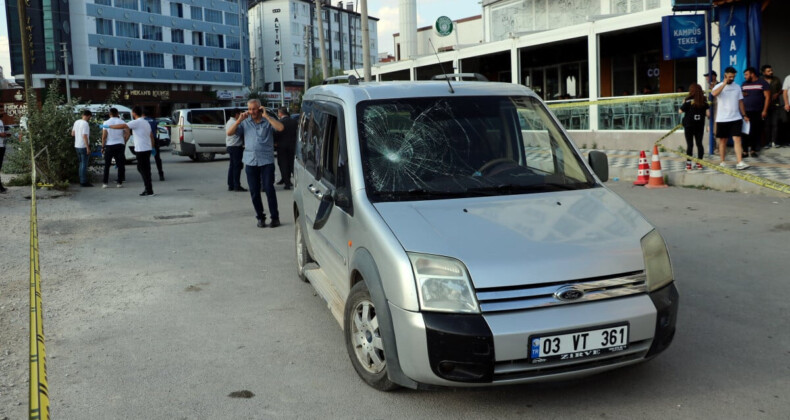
{"points": [[15, 110], [683, 36], [275, 96], [224, 94], [444, 26], [734, 40], [160, 94]]}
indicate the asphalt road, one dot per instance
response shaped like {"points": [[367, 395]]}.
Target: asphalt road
{"points": [[159, 308]]}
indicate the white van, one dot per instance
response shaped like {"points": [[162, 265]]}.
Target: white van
{"points": [[200, 132]]}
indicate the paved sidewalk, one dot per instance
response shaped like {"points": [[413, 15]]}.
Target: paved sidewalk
{"points": [[772, 164]]}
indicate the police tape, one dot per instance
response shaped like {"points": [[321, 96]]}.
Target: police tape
{"points": [[739, 174], [38, 406], [617, 101]]}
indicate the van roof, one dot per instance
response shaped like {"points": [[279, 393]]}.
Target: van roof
{"points": [[414, 89], [97, 107]]}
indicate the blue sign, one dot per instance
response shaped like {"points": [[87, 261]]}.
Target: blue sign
{"points": [[683, 36], [734, 40]]}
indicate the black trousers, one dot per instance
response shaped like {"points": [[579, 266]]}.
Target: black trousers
{"points": [[158, 158], [115, 151], [144, 167], [754, 139], [772, 122], [2, 156], [285, 160], [694, 135]]}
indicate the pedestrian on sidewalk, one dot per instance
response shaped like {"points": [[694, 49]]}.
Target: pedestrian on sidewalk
{"points": [[156, 144], [730, 115], [756, 100], [256, 128], [113, 143], [235, 147], [286, 146], [694, 110], [3, 135], [81, 132], [774, 117], [143, 143]]}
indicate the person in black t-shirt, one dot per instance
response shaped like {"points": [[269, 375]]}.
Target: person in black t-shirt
{"points": [[695, 109]]}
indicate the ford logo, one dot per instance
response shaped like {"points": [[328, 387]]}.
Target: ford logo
{"points": [[568, 293]]}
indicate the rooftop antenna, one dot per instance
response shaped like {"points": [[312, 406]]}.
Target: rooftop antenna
{"points": [[441, 66]]}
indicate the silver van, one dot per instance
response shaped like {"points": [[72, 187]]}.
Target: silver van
{"points": [[200, 132], [460, 239]]}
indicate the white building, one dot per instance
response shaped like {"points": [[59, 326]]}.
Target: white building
{"points": [[466, 32], [342, 39]]}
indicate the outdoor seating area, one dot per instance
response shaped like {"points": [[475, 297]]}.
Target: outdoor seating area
{"points": [[641, 113]]}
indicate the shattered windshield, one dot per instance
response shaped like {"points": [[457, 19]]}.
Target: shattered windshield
{"points": [[429, 148]]}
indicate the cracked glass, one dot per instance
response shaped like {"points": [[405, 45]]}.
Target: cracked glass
{"points": [[430, 148]]}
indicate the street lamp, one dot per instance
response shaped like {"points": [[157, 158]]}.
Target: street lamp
{"points": [[278, 59]]}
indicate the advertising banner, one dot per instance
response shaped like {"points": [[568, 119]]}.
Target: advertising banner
{"points": [[734, 39], [683, 36]]}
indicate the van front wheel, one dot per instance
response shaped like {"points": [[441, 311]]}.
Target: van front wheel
{"points": [[363, 339], [205, 157]]}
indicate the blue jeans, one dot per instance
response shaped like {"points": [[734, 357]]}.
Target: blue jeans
{"points": [[262, 176], [82, 154], [234, 170]]}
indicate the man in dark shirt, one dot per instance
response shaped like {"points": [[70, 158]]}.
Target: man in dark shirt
{"points": [[756, 98], [773, 119], [286, 146]]}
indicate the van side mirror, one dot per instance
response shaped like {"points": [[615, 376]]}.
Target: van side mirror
{"points": [[324, 210], [599, 164]]}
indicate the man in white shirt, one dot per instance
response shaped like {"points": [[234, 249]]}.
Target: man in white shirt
{"points": [[81, 132], [3, 136], [730, 116], [113, 143], [143, 142], [235, 147], [785, 94]]}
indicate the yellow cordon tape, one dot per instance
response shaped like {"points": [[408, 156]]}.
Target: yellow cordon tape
{"points": [[39, 394], [617, 101], [754, 179]]}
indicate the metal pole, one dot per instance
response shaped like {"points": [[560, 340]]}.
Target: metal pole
{"points": [[27, 48], [280, 62], [322, 48], [363, 9], [709, 68], [66, 71], [307, 52]]}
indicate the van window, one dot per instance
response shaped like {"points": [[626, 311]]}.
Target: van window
{"points": [[426, 148], [314, 138], [331, 151], [207, 116]]}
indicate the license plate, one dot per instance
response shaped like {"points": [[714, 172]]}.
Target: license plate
{"points": [[578, 344]]}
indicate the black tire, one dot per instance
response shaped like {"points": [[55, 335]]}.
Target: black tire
{"points": [[194, 158], [205, 157], [302, 254], [364, 343]]}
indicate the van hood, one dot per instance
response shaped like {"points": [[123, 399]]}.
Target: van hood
{"points": [[525, 239]]}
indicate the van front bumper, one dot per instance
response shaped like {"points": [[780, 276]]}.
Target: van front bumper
{"points": [[460, 350], [183, 149]]}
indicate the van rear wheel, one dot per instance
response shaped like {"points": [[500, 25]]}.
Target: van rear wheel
{"points": [[302, 254], [363, 339], [205, 157]]}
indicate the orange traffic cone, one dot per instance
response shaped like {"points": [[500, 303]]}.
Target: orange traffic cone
{"points": [[656, 177], [643, 171]]}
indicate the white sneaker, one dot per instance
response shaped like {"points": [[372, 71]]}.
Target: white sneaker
{"points": [[723, 165], [118, 185], [104, 185], [741, 166]]}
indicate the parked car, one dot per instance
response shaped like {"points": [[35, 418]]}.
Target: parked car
{"points": [[200, 132], [166, 124], [461, 239]]}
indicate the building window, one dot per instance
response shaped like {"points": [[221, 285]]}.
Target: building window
{"points": [[336, 16], [106, 56], [232, 42], [127, 29], [126, 4], [179, 62], [152, 6], [153, 33], [197, 63], [213, 16], [297, 50], [128, 58], [214, 40], [176, 10], [104, 2], [104, 26], [154, 60], [298, 71], [234, 66], [196, 12], [231, 19], [197, 38], [177, 35], [215, 64]]}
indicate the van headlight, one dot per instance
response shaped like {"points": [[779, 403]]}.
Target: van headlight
{"points": [[658, 268], [443, 284]]}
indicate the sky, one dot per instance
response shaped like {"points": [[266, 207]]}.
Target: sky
{"points": [[386, 10]]}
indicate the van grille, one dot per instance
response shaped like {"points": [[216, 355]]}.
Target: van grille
{"points": [[546, 295]]}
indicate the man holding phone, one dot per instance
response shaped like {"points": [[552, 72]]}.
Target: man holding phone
{"points": [[257, 129], [730, 115]]}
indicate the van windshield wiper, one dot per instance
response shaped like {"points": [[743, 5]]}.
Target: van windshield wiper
{"points": [[521, 188], [420, 193]]}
